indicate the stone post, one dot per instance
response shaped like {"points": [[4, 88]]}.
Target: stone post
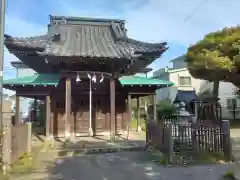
{"points": [[29, 139], [6, 148], [194, 135], [169, 142], [227, 146]]}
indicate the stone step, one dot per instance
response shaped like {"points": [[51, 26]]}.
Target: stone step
{"points": [[235, 147], [235, 140], [236, 155], [101, 150]]}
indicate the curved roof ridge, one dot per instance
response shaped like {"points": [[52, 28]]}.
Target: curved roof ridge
{"points": [[85, 18]]}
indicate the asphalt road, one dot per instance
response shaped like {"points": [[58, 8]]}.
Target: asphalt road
{"points": [[129, 166]]}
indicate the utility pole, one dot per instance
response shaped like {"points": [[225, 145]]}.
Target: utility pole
{"points": [[2, 28]]}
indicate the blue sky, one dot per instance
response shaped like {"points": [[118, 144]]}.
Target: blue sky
{"points": [[147, 20]]}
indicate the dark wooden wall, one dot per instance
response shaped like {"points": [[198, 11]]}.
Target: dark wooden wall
{"points": [[79, 121]]}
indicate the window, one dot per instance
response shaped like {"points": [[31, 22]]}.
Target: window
{"points": [[185, 81], [232, 103]]}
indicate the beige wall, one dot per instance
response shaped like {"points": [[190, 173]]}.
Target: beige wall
{"points": [[195, 83], [173, 76]]}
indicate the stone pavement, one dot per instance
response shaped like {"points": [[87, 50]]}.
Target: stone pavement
{"points": [[97, 143], [119, 166]]}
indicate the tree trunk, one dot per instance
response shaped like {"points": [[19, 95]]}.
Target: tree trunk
{"points": [[215, 96], [215, 89]]}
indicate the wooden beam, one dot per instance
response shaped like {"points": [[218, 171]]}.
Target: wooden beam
{"points": [[32, 93], [142, 93], [112, 109]]}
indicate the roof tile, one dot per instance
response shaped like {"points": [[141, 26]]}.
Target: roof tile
{"points": [[87, 38], [53, 79]]}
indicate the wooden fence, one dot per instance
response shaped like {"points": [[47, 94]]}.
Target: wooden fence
{"points": [[16, 142], [171, 137]]}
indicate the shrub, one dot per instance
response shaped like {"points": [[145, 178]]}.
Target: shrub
{"points": [[165, 109]]}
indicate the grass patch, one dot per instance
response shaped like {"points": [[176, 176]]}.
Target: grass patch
{"points": [[77, 153], [24, 165], [190, 158], [229, 176], [141, 123], [211, 158], [49, 144], [154, 156]]}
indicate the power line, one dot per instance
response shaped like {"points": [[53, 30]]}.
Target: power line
{"points": [[194, 11]]}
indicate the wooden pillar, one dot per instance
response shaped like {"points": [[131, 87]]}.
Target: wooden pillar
{"points": [[138, 113], [35, 108], [90, 130], [129, 101], [17, 115], [112, 109], [154, 107], [68, 107], [34, 112], [48, 116]]}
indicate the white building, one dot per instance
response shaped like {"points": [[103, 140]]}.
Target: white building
{"points": [[180, 75], [22, 71]]}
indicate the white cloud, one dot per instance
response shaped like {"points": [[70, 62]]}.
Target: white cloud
{"points": [[165, 19], [156, 21], [19, 28]]}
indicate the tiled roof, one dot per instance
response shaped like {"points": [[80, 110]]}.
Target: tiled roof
{"points": [[137, 80], [87, 37], [30, 42], [53, 79], [36, 79]]}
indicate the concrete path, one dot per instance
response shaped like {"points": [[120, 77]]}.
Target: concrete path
{"points": [[120, 166]]}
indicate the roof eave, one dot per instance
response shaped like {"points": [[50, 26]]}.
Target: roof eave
{"points": [[18, 64], [13, 41], [155, 53]]}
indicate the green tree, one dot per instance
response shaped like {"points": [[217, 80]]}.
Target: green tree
{"points": [[165, 109], [216, 58], [207, 94]]}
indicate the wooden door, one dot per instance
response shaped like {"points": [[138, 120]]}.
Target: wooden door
{"points": [[81, 116], [120, 110], [58, 115], [100, 120]]}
